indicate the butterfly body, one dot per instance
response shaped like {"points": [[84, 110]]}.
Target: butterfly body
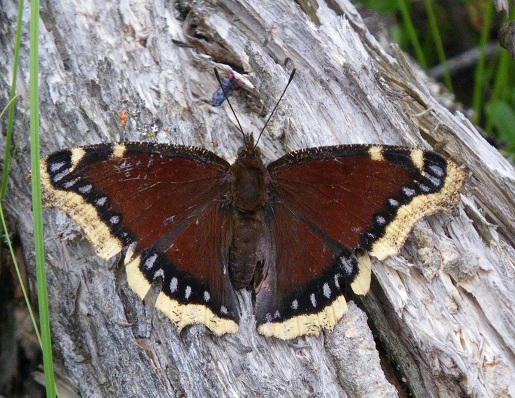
{"points": [[249, 249], [292, 232]]}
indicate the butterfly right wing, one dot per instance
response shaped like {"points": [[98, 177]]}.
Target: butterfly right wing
{"points": [[302, 291], [165, 205], [325, 204]]}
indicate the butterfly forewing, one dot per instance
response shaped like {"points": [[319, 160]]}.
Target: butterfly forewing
{"points": [[356, 193]]}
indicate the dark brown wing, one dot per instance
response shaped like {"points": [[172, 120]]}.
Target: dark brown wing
{"points": [[165, 205], [325, 204], [303, 289]]}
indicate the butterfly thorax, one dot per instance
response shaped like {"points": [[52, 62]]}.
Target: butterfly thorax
{"points": [[249, 180], [250, 237]]}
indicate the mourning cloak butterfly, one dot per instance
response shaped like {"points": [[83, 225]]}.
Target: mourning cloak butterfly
{"points": [[290, 232]]}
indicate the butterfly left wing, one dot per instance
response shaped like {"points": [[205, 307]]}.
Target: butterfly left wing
{"points": [[302, 289], [164, 205], [329, 202]]}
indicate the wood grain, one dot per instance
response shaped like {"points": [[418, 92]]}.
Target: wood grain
{"points": [[439, 320]]}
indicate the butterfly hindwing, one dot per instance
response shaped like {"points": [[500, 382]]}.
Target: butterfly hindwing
{"points": [[303, 291], [162, 203], [199, 291]]}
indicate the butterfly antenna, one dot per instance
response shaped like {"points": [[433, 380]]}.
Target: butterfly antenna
{"points": [[276, 105], [227, 98]]}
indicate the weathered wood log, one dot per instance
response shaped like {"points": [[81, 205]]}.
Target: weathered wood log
{"points": [[439, 320]]}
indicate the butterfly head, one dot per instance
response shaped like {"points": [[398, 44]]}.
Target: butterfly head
{"points": [[249, 149]]}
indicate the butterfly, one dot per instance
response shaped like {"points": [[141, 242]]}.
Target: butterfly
{"points": [[294, 232]]}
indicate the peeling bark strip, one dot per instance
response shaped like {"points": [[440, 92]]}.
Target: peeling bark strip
{"points": [[443, 311]]}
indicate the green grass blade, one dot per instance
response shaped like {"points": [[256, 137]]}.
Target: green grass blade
{"points": [[412, 34], [438, 43], [12, 95], [37, 205], [501, 83], [18, 274], [479, 74]]}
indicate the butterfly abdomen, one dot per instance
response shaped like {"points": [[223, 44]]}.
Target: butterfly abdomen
{"points": [[250, 246]]}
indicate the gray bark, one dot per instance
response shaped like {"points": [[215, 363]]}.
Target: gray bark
{"points": [[439, 320]]}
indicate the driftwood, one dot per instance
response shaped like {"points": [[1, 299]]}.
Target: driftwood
{"points": [[439, 320]]}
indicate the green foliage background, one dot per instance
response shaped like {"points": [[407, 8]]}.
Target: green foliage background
{"points": [[436, 31]]}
